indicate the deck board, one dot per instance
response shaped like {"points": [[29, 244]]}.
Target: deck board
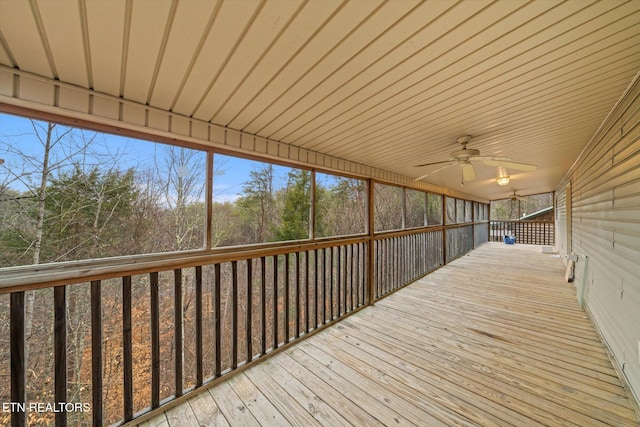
{"points": [[206, 411], [494, 338]]}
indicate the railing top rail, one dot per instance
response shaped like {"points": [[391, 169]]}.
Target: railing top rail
{"points": [[27, 277], [381, 235], [518, 221]]}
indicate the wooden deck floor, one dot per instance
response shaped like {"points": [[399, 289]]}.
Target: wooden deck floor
{"points": [[493, 338]]}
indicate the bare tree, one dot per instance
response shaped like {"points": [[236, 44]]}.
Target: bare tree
{"points": [[179, 174]]}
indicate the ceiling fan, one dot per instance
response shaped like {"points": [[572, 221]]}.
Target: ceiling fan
{"points": [[465, 158], [515, 196]]}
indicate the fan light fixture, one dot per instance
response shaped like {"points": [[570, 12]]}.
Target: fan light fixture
{"points": [[502, 180]]}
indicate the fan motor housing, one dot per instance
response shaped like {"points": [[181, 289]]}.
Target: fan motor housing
{"points": [[465, 153]]}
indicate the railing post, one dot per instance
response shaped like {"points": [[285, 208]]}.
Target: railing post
{"points": [[371, 244], [444, 230], [208, 238]]}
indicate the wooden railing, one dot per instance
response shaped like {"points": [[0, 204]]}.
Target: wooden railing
{"points": [[401, 258], [459, 241], [480, 233], [238, 308], [161, 326], [527, 232]]}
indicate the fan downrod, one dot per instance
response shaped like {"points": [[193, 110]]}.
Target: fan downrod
{"points": [[465, 152]]}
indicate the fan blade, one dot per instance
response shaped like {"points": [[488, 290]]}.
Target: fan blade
{"points": [[487, 158], [436, 163], [433, 172], [468, 172], [511, 165]]}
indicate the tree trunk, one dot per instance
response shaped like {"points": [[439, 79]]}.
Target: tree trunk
{"points": [[30, 296]]}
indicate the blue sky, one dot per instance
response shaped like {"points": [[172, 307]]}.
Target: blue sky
{"points": [[228, 182]]}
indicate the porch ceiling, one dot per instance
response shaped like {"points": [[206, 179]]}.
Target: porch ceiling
{"points": [[387, 84]]}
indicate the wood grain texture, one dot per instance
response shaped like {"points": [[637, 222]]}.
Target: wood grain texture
{"points": [[469, 344]]}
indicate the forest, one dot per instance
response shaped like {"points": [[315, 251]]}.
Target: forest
{"points": [[68, 194], [71, 197]]}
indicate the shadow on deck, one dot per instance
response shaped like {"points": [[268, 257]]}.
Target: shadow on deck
{"points": [[493, 338]]}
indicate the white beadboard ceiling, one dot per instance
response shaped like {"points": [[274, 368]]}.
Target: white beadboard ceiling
{"points": [[388, 84]]}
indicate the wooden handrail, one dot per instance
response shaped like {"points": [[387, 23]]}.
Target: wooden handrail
{"points": [[28, 277], [343, 274], [39, 276]]}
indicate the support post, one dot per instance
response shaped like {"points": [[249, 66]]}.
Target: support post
{"points": [[371, 243]]}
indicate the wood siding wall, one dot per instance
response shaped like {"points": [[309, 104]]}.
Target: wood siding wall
{"points": [[605, 228], [560, 221]]}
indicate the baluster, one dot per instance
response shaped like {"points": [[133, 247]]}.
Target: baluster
{"points": [[316, 280], [263, 304], [331, 282], [390, 265], [377, 267], [352, 249], [18, 371], [96, 352], [338, 280], [234, 314], [398, 262], [324, 286], [217, 307], [177, 325], [155, 340], [248, 334], [199, 352], [384, 267], [346, 279], [395, 278], [388, 252], [394, 266], [307, 293], [275, 302], [358, 275], [296, 258], [60, 357], [362, 273], [286, 298], [127, 348]]}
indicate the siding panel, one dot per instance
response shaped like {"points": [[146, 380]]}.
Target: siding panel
{"points": [[606, 229], [561, 220]]}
